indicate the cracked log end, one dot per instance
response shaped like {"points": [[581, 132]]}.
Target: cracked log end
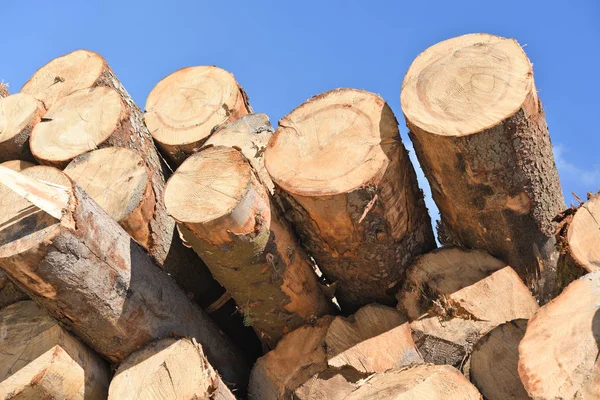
{"points": [[184, 108], [168, 369]]}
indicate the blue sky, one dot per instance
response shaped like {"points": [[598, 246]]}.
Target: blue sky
{"points": [[284, 52]]}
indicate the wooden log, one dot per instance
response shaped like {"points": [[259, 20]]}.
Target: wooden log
{"points": [[454, 296], [19, 113], [348, 186], [332, 355], [251, 134], [90, 274], [168, 369], [431, 382], [17, 165], [479, 132], [225, 214], [4, 90], [558, 356], [577, 239], [184, 107], [9, 292], [494, 362], [41, 360]]}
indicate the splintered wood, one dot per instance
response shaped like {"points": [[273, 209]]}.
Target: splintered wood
{"points": [[348, 186], [41, 360], [183, 109], [479, 132]]}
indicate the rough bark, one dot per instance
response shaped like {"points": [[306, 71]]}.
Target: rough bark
{"points": [[346, 182], [494, 362], [183, 109], [558, 356], [455, 296], [168, 369], [40, 360], [251, 134], [431, 382], [479, 132], [329, 358], [93, 277], [84, 69], [577, 238], [19, 114], [225, 214]]}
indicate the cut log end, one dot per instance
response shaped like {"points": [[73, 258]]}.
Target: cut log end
{"points": [[184, 107], [177, 369], [583, 235], [39, 359], [558, 354], [334, 143], [466, 84], [494, 362], [117, 179], [76, 124], [65, 75], [19, 114], [17, 165]]}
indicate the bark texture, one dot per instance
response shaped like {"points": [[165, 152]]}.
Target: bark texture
{"points": [[91, 275], [40, 360], [363, 225], [494, 180]]}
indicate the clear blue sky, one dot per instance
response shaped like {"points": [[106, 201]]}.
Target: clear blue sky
{"points": [[284, 52]]}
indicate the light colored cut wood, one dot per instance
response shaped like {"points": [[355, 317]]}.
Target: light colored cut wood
{"points": [[19, 114], [17, 165], [225, 214], [88, 273], [431, 382], [117, 179], [76, 124], [184, 107], [558, 356], [168, 369], [4, 90], [455, 296], [251, 134], [348, 186], [328, 359], [40, 360], [479, 131], [494, 362]]}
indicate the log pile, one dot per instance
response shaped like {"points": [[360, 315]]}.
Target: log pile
{"points": [[206, 255]]}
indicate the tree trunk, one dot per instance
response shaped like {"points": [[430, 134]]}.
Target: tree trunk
{"points": [[41, 360], [479, 132], [577, 239], [19, 113], [168, 369], [226, 216], [455, 296], [348, 186], [328, 358], [558, 357], [494, 362], [89, 273], [431, 382], [250, 134], [184, 107]]}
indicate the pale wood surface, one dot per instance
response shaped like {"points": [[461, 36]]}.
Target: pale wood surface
{"points": [[19, 114]]}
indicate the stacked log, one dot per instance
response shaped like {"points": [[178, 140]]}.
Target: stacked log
{"points": [[19, 114], [168, 369], [9, 292], [558, 356], [4, 90], [226, 215], [71, 257], [184, 108], [455, 296], [41, 360], [479, 132], [349, 188], [328, 359]]}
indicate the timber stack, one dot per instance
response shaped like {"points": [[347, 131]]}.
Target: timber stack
{"points": [[194, 251]]}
